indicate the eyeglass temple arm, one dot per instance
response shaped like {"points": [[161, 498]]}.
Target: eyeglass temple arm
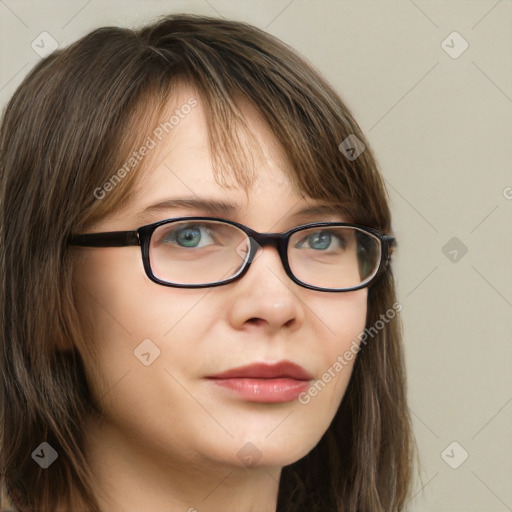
{"points": [[390, 240], [391, 244], [110, 239]]}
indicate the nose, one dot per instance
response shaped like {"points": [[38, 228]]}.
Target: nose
{"points": [[265, 296]]}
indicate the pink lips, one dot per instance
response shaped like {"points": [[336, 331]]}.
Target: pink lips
{"points": [[268, 383]]}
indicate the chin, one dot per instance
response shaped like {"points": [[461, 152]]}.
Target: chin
{"points": [[265, 451]]}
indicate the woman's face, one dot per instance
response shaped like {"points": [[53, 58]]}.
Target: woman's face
{"points": [[157, 345]]}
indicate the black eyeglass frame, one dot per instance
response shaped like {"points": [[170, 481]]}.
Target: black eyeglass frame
{"points": [[142, 237]]}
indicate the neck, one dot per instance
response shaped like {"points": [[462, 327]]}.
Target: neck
{"points": [[130, 477]]}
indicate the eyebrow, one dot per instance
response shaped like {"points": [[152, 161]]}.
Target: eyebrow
{"points": [[220, 208]]}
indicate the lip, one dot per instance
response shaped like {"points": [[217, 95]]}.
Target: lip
{"points": [[268, 383], [282, 369]]}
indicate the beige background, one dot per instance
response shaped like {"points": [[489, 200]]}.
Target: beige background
{"points": [[441, 128]]}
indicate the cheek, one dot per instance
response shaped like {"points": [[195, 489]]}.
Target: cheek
{"points": [[341, 322], [125, 315], [138, 331], [343, 317]]}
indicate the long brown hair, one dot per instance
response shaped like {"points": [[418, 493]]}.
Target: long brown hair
{"points": [[72, 122]]}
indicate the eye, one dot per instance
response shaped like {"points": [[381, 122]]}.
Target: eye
{"points": [[189, 236], [321, 241]]}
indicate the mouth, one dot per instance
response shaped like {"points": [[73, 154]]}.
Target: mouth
{"points": [[266, 383]]}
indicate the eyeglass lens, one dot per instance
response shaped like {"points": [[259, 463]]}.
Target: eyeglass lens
{"points": [[206, 252]]}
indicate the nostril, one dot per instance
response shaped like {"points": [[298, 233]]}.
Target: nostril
{"points": [[290, 322]]}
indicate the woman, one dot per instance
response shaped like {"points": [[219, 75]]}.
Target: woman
{"points": [[198, 308]]}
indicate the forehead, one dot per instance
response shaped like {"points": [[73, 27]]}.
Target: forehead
{"points": [[181, 159], [184, 132]]}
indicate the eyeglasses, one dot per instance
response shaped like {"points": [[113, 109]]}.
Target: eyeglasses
{"points": [[201, 252]]}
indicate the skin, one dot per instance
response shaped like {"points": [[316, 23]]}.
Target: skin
{"points": [[168, 438]]}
